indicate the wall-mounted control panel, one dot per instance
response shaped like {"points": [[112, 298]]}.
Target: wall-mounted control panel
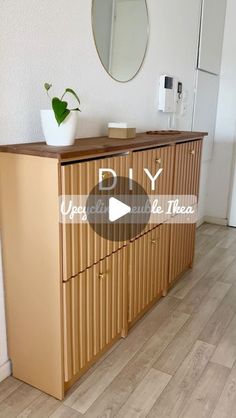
{"points": [[170, 94], [166, 94]]}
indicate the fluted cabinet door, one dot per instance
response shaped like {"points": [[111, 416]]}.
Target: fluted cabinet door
{"points": [[95, 312], [187, 168], [148, 270], [153, 160], [186, 182], [182, 246], [82, 247]]}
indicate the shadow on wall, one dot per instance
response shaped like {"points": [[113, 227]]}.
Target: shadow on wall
{"points": [[90, 127]]}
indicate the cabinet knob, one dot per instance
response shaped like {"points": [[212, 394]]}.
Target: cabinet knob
{"points": [[155, 241], [105, 176], [192, 152], [101, 276], [159, 161]]}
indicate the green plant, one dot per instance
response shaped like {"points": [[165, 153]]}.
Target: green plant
{"points": [[59, 106]]}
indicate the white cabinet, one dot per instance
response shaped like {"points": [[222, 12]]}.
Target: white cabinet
{"points": [[205, 111], [211, 35]]}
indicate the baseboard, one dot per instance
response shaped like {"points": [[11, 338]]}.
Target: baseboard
{"points": [[216, 221], [200, 222], [5, 370]]}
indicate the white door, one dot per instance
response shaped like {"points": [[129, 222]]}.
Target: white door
{"points": [[211, 35]]}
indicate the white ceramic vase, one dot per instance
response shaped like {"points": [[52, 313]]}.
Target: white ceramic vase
{"points": [[59, 136]]}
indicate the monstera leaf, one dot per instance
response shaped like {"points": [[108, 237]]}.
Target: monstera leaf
{"points": [[60, 110]]}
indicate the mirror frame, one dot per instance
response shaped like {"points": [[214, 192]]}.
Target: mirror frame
{"points": [[145, 52]]}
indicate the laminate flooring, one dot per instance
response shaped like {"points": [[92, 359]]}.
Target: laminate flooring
{"points": [[178, 361]]}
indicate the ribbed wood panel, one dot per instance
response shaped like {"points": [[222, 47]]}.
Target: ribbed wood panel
{"points": [[153, 160], [148, 276], [181, 249], [82, 247], [95, 311], [187, 168], [186, 182]]}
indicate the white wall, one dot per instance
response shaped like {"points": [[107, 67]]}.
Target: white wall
{"points": [[220, 168], [52, 41]]}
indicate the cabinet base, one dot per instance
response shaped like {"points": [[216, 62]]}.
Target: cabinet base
{"points": [[145, 310], [174, 281], [191, 265], [75, 378], [124, 332], [165, 293]]}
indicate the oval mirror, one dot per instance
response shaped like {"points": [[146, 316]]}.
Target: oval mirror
{"points": [[121, 31]]}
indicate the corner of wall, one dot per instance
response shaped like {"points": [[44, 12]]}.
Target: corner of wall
{"points": [[5, 370], [5, 366]]}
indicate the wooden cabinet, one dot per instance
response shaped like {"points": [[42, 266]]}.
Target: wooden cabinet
{"points": [[148, 270], [70, 293], [95, 312]]}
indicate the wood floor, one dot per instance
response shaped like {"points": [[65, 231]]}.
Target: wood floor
{"points": [[178, 361]]}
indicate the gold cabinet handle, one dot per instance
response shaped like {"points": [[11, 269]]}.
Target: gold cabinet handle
{"points": [[155, 241], [101, 276], [192, 152], [159, 161], [105, 176]]}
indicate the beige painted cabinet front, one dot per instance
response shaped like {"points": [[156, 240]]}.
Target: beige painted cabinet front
{"points": [[154, 160], [95, 312], [182, 244], [148, 270], [187, 168], [186, 182]]}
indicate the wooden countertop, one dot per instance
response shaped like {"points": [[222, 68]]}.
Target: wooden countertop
{"points": [[87, 148]]}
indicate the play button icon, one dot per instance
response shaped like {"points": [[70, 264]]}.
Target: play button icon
{"points": [[118, 214], [117, 209]]}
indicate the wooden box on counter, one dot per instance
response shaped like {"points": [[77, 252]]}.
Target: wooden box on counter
{"points": [[122, 133]]}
